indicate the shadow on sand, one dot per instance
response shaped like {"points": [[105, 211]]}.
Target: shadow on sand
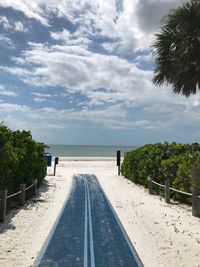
{"points": [[13, 206]]}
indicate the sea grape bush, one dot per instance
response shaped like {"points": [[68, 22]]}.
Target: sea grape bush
{"points": [[178, 162], [22, 159]]}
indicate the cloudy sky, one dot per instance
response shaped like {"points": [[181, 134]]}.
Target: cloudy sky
{"points": [[80, 71]]}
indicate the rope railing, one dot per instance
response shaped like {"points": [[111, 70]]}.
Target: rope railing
{"points": [[173, 189], [14, 195], [29, 186], [195, 194], [22, 197], [181, 192], [161, 185], [19, 192]]}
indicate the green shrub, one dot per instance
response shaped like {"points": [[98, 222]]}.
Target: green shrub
{"points": [[22, 159], [163, 161]]}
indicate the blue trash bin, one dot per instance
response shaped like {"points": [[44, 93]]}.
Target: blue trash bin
{"points": [[49, 159]]}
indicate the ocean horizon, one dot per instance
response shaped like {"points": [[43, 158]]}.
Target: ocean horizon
{"points": [[87, 150]]}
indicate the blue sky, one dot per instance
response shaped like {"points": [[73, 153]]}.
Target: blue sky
{"points": [[79, 72]]}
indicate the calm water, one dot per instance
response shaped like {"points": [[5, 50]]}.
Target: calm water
{"points": [[86, 151]]}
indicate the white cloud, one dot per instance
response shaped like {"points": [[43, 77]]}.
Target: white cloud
{"points": [[6, 92], [136, 23], [73, 71], [31, 9], [17, 26], [113, 86], [9, 108], [99, 115], [78, 70], [5, 22], [113, 117], [39, 100], [6, 41], [159, 109], [76, 39], [64, 35], [144, 58], [130, 27], [41, 95]]}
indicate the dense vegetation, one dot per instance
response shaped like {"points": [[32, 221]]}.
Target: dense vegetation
{"points": [[177, 162], [22, 159]]}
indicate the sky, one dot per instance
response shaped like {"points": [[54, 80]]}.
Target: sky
{"points": [[80, 72]]}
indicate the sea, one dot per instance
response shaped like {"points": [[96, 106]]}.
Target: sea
{"points": [[87, 150]]}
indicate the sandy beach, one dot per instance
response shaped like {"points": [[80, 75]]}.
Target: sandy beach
{"points": [[163, 235]]}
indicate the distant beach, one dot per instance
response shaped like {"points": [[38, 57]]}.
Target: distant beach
{"points": [[87, 151]]}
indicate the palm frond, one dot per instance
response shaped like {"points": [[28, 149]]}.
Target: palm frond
{"points": [[177, 50]]}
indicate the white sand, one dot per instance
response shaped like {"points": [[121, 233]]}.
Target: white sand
{"points": [[163, 235]]}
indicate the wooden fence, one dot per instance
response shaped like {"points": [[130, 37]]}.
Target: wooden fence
{"points": [[21, 197], [195, 194]]}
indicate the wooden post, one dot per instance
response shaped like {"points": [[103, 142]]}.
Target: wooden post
{"points": [[167, 191], [22, 195], [119, 161], [196, 202], [54, 172], [34, 188], [150, 185], [3, 203], [119, 170], [55, 163]]}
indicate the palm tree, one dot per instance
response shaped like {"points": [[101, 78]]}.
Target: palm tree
{"points": [[177, 50]]}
